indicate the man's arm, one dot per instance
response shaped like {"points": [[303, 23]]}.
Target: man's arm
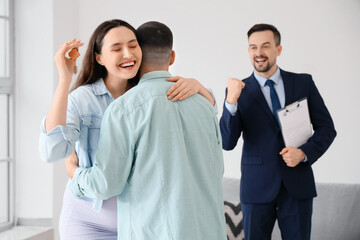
{"points": [[230, 122], [323, 125], [114, 156]]}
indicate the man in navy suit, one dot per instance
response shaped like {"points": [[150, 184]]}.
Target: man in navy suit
{"points": [[277, 182]]}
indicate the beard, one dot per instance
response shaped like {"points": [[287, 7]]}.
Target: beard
{"points": [[264, 68]]}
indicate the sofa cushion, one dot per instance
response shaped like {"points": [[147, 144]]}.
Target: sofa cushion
{"points": [[233, 216], [336, 210]]}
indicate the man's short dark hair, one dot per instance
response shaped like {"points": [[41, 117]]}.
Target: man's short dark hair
{"points": [[156, 41], [264, 27]]}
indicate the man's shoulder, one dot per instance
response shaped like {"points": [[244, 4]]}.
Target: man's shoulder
{"points": [[136, 97], [293, 75], [126, 102], [248, 78]]}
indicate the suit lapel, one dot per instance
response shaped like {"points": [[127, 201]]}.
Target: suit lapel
{"points": [[288, 87], [254, 89]]}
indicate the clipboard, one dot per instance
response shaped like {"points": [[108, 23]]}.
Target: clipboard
{"points": [[295, 123]]}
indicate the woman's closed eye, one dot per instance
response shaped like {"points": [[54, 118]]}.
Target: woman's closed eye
{"points": [[133, 46]]}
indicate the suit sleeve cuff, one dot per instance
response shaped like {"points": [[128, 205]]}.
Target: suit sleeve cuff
{"points": [[231, 108]]}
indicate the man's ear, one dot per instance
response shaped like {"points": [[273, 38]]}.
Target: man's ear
{"points": [[172, 58], [98, 59], [278, 50]]}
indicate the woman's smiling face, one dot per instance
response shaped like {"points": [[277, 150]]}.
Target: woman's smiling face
{"points": [[120, 53]]}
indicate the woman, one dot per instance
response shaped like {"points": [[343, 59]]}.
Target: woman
{"points": [[73, 121]]}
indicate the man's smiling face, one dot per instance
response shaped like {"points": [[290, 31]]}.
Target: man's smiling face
{"points": [[263, 52]]}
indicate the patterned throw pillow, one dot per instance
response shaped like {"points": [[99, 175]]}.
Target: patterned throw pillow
{"points": [[233, 216]]}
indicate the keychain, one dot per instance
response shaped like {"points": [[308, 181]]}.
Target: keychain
{"points": [[74, 54]]}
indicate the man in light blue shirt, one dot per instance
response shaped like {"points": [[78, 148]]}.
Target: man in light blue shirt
{"points": [[162, 159]]}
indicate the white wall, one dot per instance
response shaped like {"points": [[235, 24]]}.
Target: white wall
{"points": [[65, 26], [34, 90], [319, 37]]}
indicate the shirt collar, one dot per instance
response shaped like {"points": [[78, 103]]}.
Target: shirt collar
{"points": [[100, 88], [154, 74], [275, 77]]}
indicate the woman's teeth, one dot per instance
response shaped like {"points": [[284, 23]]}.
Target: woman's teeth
{"points": [[127, 64]]}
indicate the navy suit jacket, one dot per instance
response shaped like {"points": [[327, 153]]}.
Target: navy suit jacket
{"points": [[262, 167]]}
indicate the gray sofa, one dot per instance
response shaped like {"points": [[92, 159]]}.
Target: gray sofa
{"points": [[336, 211]]}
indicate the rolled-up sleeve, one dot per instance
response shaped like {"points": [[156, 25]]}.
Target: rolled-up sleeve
{"points": [[73, 184], [59, 143]]}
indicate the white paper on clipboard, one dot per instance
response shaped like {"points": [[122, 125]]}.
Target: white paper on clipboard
{"points": [[295, 123]]}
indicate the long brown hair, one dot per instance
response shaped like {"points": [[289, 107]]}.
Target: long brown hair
{"points": [[91, 70]]}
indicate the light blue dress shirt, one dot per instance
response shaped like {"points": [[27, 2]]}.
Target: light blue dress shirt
{"points": [[86, 107], [163, 160]]}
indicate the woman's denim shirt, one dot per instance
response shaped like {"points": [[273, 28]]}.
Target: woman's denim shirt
{"points": [[86, 106]]}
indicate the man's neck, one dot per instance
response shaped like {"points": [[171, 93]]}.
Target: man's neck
{"points": [[145, 68], [267, 74]]}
